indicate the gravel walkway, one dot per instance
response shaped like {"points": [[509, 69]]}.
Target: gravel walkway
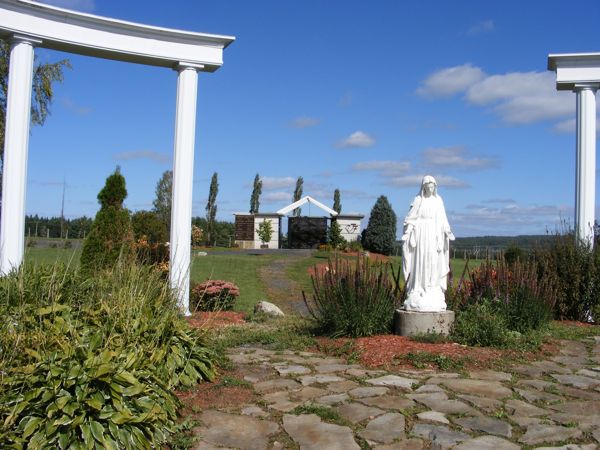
{"points": [[282, 291], [546, 404]]}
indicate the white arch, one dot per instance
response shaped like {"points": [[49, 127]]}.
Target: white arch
{"points": [[27, 24]]}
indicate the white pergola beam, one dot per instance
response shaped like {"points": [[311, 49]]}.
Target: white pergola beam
{"points": [[304, 200], [580, 72], [26, 23]]}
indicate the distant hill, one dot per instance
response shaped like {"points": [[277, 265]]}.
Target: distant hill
{"points": [[526, 242]]}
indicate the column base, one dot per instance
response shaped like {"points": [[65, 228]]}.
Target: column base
{"points": [[410, 323]]}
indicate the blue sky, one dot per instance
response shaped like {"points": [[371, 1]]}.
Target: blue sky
{"points": [[362, 96]]}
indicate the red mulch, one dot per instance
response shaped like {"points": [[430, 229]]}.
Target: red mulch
{"points": [[389, 352], [217, 319]]}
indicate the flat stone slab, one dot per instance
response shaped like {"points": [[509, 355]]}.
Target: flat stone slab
{"points": [[490, 389], [539, 396], [582, 408], [232, 430], [540, 385], [448, 406], [485, 425], [393, 380], [332, 399], [362, 392], [487, 443], [441, 436], [389, 402], [385, 429], [342, 386], [403, 444], [577, 381], [307, 380], [489, 405], [490, 375], [551, 367], [570, 447], [357, 412], [307, 393], [428, 389], [313, 434], [524, 409], [360, 373], [254, 411], [276, 385], [280, 401], [330, 368], [593, 373], [433, 416], [292, 370], [540, 433], [584, 422]]}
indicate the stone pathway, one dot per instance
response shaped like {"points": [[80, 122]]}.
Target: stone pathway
{"points": [[310, 401]]}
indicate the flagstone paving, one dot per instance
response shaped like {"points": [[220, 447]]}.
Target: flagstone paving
{"points": [[309, 401]]}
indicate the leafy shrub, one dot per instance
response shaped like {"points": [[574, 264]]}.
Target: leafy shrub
{"points": [[481, 325], [355, 246], [92, 362], [576, 269], [150, 226], [111, 236], [513, 253], [214, 295], [380, 234], [352, 298]]}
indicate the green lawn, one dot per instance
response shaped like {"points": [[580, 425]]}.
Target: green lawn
{"points": [[241, 269], [41, 255]]}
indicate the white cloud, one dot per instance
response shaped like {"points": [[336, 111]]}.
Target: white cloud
{"points": [[456, 157], [142, 154], [77, 5], [304, 122], [77, 109], [450, 81], [272, 183], [483, 26], [384, 167], [415, 180], [358, 139], [568, 126], [274, 197]]}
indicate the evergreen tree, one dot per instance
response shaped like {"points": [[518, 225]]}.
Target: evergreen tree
{"points": [[298, 195], [337, 205], [111, 235], [211, 208], [380, 234], [164, 195], [335, 238], [255, 198], [44, 75]]}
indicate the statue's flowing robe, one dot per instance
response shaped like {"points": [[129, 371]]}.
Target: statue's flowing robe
{"points": [[425, 250]]}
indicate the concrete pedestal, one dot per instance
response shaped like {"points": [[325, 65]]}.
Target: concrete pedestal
{"points": [[409, 323]]}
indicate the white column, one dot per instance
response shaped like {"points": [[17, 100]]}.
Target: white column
{"points": [[585, 177], [16, 144], [183, 175]]}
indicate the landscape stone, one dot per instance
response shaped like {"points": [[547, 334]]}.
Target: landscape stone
{"points": [[579, 393], [312, 434], [332, 399], [596, 434], [486, 425], [524, 422], [428, 388], [268, 308], [385, 429], [579, 407], [589, 373], [201, 445], [487, 443], [320, 360], [539, 396], [540, 433], [393, 402], [330, 368], [488, 405], [393, 380], [523, 409], [280, 401], [449, 406], [254, 374], [357, 412], [404, 444], [307, 380], [433, 416], [490, 389], [570, 447], [528, 371], [584, 422], [308, 393], [275, 385], [362, 392], [358, 372], [540, 385], [551, 367], [440, 436], [232, 430], [490, 375], [342, 386], [577, 381], [292, 370], [254, 411], [571, 361]]}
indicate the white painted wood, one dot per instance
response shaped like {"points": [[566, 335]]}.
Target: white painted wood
{"points": [[574, 68], [274, 242], [183, 176], [87, 34], [16, 144], [304, 200], [350, 227], [585, 184]]}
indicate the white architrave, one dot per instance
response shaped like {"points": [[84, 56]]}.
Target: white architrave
{"points": [[86, 34], [183, 177], [580, 72], [16, 145], [302, 201]]}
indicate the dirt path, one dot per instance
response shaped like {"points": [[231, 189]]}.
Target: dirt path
{"points": [[282, 291]]}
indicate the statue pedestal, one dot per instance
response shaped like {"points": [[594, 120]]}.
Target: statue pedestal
{"points": [[409, 323]]}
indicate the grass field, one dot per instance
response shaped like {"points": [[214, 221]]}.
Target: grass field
{"points": [[41, 255]]}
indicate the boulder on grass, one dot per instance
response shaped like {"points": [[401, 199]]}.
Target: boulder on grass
{"points": [[268, 308]]}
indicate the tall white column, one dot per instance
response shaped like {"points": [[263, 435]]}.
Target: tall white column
{"points": [[585, 177], [183, 175], [16, 144]]}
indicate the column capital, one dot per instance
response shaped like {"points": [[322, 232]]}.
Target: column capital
{"points": [[182, 65], [578, 87], [25, 39]]}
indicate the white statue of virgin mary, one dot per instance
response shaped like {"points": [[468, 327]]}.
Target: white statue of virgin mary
{"points": [[425, 250]]}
